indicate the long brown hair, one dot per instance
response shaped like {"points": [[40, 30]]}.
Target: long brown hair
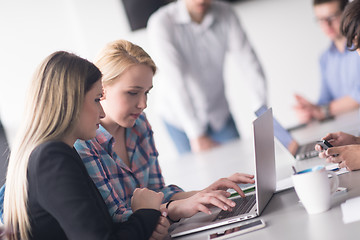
{"points": [[54, 101], [350, 24]]}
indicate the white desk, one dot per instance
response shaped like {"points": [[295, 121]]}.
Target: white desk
{"points": [[348, 122], [284, 216]]}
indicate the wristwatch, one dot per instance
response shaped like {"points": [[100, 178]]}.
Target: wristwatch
{"points": [[325, 109]]}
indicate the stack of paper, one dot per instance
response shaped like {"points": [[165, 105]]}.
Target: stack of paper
{"points": [[350, 210]]}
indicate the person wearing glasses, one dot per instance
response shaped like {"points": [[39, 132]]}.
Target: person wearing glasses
{"points": [[340, 69], [346, 150]]}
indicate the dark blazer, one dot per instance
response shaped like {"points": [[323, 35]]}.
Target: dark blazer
{"points": [[64, 203]]}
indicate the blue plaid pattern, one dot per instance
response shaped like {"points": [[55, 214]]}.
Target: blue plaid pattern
{"points": [[114, 179], [2, 192]]}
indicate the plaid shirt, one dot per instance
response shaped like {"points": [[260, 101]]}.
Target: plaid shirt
{"points": [[2, 195], [114, 179]]}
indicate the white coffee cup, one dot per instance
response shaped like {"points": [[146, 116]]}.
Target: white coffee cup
{"points": [[314, 188]]}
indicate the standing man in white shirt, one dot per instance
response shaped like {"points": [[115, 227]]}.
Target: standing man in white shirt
{"points": [[189, 40]]}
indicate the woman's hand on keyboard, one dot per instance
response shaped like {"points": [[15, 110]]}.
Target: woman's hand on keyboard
{"points": [[200, 202], [231, 183]]}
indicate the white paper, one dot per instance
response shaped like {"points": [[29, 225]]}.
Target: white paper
{"points": [[284, 184], [350, 210], [335, 168]]}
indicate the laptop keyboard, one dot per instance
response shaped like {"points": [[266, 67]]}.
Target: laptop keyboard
{"points": [[243, 205], [307, 151]]}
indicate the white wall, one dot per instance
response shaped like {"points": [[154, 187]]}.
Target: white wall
{"points": [[288, 42], [284, 35]]}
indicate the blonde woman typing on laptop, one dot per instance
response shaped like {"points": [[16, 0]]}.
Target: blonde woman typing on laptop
{"points": [[123, 155], [49, 194], [346, 150]]}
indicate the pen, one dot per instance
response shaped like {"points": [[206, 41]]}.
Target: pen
{"points": [[247, 190]]}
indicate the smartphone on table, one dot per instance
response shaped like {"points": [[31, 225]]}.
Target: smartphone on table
{"points": [[242, 228]]}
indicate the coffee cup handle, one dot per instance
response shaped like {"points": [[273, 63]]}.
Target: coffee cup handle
{"points": [[334, 181]]}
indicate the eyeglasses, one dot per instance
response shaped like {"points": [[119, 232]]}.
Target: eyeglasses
{"points": [[329, 20]]}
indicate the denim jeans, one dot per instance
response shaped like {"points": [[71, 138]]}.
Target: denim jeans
{"points": [[227, 133]]}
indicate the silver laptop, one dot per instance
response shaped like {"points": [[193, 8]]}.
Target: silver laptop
{"points": [[299, 152], [255, 202]]}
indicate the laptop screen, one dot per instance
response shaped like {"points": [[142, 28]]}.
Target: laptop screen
{"points": [[265, 182], [265, 174], [279, 131]]}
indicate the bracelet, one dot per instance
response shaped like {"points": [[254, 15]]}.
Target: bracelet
{"points": [[167, 205]]}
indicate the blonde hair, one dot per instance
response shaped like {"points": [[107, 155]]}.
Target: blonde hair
{"points": [[119, 55], [53, 104]]}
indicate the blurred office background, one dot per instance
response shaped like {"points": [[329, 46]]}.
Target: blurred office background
{"points": [[284, 34]]}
